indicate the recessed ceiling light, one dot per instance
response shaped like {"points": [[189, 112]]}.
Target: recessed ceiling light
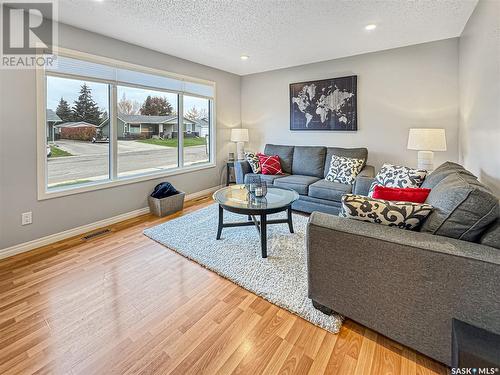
{"points": [[244, 57], [370, 27]]}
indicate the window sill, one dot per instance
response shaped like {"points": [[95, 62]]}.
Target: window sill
{"points": [[43, 194]]}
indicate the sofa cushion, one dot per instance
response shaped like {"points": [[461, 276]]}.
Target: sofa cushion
{"points": [[398, 176], [491, 237], [308, 198], [284, 152], [270, 164], [354, 153], [328, 190], [443, 171], [296, 182], [269, 178], [254, 162], [308, 160], [344, 170], [404, 215], [306, 203], [463, 208], [416, 195]]}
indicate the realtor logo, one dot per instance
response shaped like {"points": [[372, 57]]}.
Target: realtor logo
{"points": [[28, 34]]}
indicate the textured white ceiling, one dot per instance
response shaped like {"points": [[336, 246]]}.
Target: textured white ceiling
{"points": [[274, 33]]}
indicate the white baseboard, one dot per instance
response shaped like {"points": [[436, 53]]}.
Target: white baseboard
{"points": [[203, 192], [52, 238]]}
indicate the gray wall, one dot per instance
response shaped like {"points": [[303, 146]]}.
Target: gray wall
{"points": [[398, 89], [18, 179], [479, 81]]}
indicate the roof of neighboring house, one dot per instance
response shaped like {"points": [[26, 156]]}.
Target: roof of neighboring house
{"points": [[52, 116], [144, 119], [203, 122], [75, 124]]}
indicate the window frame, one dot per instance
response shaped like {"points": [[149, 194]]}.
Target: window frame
{"points": [[114, 180]]}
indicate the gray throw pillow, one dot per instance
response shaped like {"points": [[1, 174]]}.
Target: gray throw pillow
{"points": [[443, 171], [404, 215], [463, 208], [491, 236]]}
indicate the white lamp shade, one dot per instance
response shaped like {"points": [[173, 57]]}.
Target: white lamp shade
{"points": [[239, 135], [427, 140]]}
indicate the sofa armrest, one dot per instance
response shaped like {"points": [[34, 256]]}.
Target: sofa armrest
{"points": [[406, 285], [424, 241], [364, 180], [362, 185], [241, 168], [367, 171]]}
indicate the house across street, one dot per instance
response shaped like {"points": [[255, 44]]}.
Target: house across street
{"points": [[133, 126]]}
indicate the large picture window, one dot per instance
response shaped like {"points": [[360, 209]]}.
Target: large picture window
{"points": [[110, 123], [196, 130], [73, 156], [147, 131]]}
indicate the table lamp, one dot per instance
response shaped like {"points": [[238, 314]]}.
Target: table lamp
{"points": [[425, 141], [240, 136]]}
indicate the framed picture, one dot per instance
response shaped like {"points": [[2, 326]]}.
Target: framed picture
{"points": [[328, 104]]}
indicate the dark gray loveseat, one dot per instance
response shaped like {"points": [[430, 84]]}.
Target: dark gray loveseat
{"points": [[410, 285], [305, 169]]}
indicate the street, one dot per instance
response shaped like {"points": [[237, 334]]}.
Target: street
{"points": [[90, 160]]}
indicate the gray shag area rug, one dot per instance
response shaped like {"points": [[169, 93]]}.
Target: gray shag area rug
{"points": [[281, 278]]}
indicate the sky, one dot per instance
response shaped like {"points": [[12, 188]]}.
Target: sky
{"points": [[69, 89]]}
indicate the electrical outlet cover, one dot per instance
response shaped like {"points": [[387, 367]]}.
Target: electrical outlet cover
{"points": [[26, 218]]}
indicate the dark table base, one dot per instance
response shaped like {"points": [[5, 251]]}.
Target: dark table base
{"points": [[261, 225]]}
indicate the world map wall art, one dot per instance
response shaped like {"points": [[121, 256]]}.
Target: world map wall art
{"points": [[329, 104]]}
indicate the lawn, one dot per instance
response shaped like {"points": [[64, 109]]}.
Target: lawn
{"points": [[56, 152], [188, 142]]}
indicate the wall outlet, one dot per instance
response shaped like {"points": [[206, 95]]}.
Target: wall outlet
{"points": [[26, 218]]}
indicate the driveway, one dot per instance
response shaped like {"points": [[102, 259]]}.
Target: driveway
{"points": [[78, 148], [90, 160]]}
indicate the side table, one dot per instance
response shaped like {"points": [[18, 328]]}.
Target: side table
{"points": [[229, 168]]}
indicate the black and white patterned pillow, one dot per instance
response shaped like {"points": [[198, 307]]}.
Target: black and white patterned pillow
{"points": [[344, 170], [253, 160], [404, 215], [398, 176]]}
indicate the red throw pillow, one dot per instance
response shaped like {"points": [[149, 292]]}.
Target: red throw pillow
{"points": [[270, 164], [416, 195]]}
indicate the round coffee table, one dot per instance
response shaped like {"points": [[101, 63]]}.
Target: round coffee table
{"points": [[236, 199]]}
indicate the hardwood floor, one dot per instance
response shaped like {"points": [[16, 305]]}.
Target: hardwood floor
{"points": [[121, 303]]}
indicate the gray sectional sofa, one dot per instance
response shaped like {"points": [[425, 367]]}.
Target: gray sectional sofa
{"points": [[410, 285], [305, 169]]}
